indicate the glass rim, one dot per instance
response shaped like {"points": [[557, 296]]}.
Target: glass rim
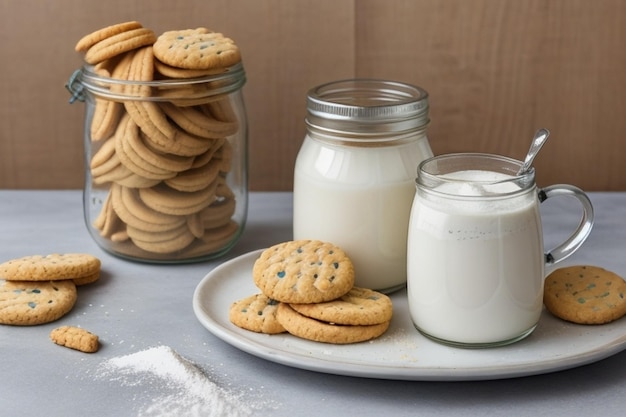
{"points": [[432, 172], [86, 79], [89, 75]]}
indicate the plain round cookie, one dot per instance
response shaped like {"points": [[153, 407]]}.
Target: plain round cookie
{"points": [[318, 331], [28, 303], [50, 267], [167, 200], [161, 242], [119, 44], [174, 72], [91, 39], [256, 313], [585, 294], [303, 271], [360, 306]]}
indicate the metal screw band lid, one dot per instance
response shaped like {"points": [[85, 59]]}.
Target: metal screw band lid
{"points": [[363, 105]]}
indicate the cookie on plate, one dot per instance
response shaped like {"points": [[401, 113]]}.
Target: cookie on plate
{"points": [[303, 271], [360, 306], [28, 303], [256, 313], [318, 331], [585, 294]]}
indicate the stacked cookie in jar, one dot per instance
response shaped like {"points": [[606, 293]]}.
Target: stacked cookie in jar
{"points": [[165, 142]]}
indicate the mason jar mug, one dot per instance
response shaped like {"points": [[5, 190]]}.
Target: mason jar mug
{"points": [[476, 259]]}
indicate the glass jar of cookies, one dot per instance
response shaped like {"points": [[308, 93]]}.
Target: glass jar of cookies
{"points": [[166, 157], [354, 178]]}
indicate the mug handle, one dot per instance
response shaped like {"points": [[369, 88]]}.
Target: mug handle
{"points": [[581, 233]]}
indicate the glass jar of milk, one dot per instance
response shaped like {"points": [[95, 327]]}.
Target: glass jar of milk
{"points": [[354, 178]]}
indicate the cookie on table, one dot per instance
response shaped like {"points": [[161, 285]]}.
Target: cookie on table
{"points": [[28, 303], [75, 338], [318, 331], [87, 279], [360, 306], [256, 313], [303, 271], [50, 267], [585, 294]]}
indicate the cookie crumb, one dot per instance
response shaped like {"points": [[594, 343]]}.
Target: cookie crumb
{"points": [[75, 338]]}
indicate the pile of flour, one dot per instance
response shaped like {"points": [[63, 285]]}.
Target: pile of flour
{"points": [[183, 389]]}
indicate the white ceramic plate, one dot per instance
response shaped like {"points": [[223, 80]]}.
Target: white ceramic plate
{"points": [[402, 353]]}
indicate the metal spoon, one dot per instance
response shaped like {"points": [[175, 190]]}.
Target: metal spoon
{"points": [[540, 138]]}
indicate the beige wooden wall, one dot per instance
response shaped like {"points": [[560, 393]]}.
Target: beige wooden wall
{"points": [[496, 70]]}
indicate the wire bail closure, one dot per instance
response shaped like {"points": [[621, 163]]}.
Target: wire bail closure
{"points": [[75, 87]]}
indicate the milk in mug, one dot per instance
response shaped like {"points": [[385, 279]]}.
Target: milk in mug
{"points": [[475, 255], [476, 268]]}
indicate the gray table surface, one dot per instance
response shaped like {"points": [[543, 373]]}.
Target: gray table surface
{"points": [[137, 306]]}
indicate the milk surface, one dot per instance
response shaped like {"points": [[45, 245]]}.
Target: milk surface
{"points": [[360, 200], [475, 268]]}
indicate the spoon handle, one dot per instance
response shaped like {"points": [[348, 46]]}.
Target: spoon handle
{"points": [[540, 138]]}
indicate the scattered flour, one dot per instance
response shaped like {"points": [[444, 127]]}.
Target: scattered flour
{"points": [[182, 389]]}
